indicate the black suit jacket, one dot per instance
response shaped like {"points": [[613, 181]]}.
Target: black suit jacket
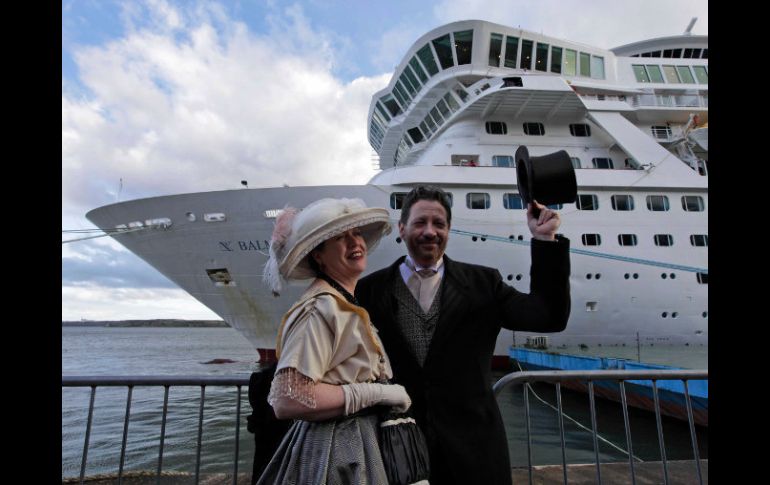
{"points": [[452, 397]]}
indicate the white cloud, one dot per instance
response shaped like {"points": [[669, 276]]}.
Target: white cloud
{"points": [[191, 101]]}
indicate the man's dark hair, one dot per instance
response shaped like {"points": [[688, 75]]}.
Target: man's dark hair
{"points": [[425, 192]]}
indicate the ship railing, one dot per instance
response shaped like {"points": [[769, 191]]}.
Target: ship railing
{"points": [[670, 100], [620, 377], [514, 379]]}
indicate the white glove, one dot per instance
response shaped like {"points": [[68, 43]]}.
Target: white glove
{"points": [[364, 394]]}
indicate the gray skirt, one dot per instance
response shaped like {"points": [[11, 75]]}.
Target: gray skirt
{"points": [[334, 452]]}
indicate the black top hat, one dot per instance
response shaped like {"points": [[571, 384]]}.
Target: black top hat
{"points": [[549, 179]]}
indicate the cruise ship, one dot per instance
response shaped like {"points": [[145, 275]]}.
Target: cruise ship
{"points": [[633, 119]]}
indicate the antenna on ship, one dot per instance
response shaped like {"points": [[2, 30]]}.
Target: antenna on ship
{"points": [[689, 27], [120, 189]]}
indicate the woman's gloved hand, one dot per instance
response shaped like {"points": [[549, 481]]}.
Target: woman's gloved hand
{"points": [[362, 395]]}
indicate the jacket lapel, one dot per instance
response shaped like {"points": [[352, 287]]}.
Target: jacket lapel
{"points": [[453, 290]]}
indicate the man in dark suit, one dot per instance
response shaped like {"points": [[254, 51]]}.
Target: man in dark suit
{"points": [[439, 319]]}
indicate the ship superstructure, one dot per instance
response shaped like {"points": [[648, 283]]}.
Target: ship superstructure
{"points": [[465, 96]]}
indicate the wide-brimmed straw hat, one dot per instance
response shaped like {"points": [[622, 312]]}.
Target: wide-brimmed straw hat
{"points": [[298, 232]]}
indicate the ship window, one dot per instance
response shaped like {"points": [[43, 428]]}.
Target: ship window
{"points": [[570, 62], [666, 52], [640, 73], [399, 95], [585, 64], [655, 75], [622, 202], [602, 162], [677, 53], [692, 203], [513, 201], [417, 68], [671, 75], [477, 200], [444, 51], [685, 74], [400, 89], [461, 93], [436, 116], [687, 53], [426, 56], [451, 102], [442, 107], [580, 129], [541, 57], [591, 239], [511, 51], [496, 128], [664, 240], [696, 53], [407, 83], [424, 128], [630, 163], [556, 207], [211, 217], [495, 48], [534, 129], [597, 67], [661, 132], [463, 46], [411, 77], [657, 203], [526, 53], [415, 134], [575, 162], [430, 123], [699, 239], [701, 74], [703, 278], [391, 104], [382, 111], [587, 202], [556, 59], [655, 54], [627, 239], [705, 54], [465, 160], [502, 161], [397, 200]]}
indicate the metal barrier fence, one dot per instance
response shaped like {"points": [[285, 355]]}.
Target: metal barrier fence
{"points": [[167, 382], [558, 377], [512, 379]]}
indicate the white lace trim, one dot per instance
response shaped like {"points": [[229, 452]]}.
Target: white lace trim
{"points": [[291, 383]]}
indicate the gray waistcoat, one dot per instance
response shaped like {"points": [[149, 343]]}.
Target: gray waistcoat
{"points": [[416, 326]]}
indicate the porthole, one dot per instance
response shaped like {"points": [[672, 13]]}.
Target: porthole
{"points": [[672, 276], [510, 277], [636, 276], [664, 314], [705, 314], [398, 240], [518, 277], [588, 276], [664, 276], [598, 275], [674, 315]]}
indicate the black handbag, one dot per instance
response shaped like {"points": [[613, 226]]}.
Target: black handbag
{"points": [[403, 448]]}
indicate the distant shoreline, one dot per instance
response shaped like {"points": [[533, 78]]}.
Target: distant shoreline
{"points": [[145, 323]]}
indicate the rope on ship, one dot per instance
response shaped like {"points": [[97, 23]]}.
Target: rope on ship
{"points": [[584, 252], [105, 233]]}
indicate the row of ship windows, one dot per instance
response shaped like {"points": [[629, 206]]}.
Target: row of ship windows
{"points": [[512, 52], [663, 240], [452, 49], [648, 73], [702, 278], [619, 202], [685, 53], [509, 162]]}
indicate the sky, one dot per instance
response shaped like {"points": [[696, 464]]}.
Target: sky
{"points": [[162, 97]]}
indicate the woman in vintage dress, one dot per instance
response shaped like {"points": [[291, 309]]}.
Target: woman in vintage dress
{"points": [[332, 369]]}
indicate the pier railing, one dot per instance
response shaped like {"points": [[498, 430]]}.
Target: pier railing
{"points": [[513, 379], [620, 377], [166, 381]]}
